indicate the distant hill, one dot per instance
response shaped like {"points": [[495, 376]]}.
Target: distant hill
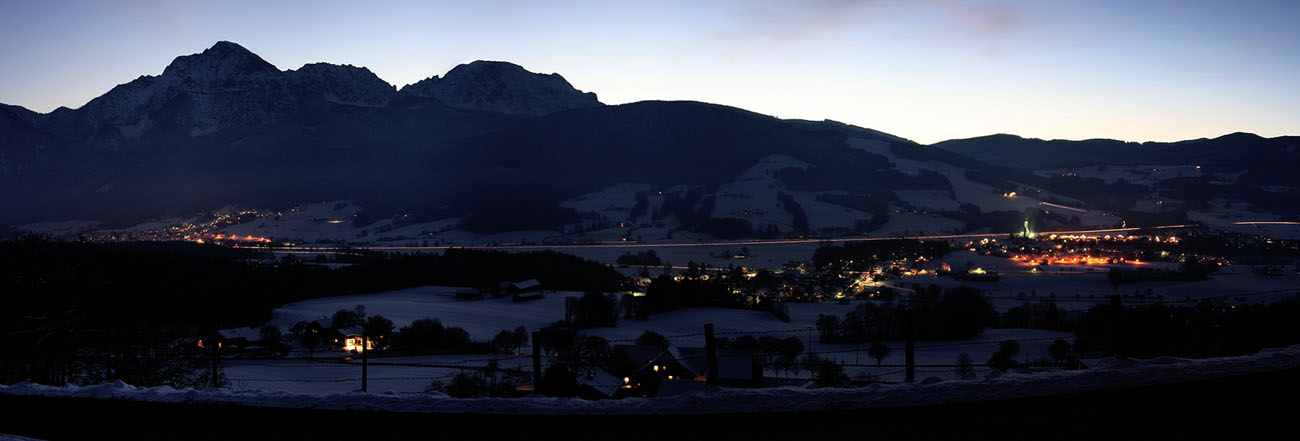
{"points": [[1236, 151]]}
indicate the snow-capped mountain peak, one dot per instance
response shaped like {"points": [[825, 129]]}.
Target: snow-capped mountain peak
{"points": [[503, 87], [343, 84], [221, 62]]}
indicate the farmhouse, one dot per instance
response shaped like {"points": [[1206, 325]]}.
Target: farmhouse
{"points": [[660, 372], [354, 340]]}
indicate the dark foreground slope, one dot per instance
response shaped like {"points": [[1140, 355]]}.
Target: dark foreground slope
{"points": [[1245, 407]]}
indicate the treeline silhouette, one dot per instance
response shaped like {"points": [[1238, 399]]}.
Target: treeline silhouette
{"points": [[1202, 330], [665, 294], [955, 314]]}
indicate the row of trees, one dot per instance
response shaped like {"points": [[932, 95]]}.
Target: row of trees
{"points": [[665, 294], [1202, 330], [573, 354], [591, 310], [643, 258], [423, 336], [955, 314]]}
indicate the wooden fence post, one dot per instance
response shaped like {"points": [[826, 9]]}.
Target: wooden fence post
{"points": [[365, 341]]}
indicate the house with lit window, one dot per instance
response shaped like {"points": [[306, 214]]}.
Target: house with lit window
{"points": [[354, 340], [645, 368], [653, 371]]}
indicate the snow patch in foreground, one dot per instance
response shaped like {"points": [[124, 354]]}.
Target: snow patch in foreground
{"points": [[1109, 374]]}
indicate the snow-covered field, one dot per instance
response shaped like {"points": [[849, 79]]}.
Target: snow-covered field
{"points": [[326, 376], [484, 318], [615, 202], [964, 189], [753, 197], [1106, 374]]}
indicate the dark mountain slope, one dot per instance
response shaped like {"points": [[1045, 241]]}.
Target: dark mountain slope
{"points": [[1235, 151], [524, 170]]}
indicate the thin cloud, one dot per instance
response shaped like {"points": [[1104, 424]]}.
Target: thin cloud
{"points": [[773, 24], [781, 22], [988, 19]]}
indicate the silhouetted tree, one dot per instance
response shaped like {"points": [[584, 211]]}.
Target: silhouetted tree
{"points": [[826, 372], [1005, 357], [423, 335], [555, 338], [788, 350], [827, 327], [270, 334], [593, 354], [519, 338], [509, 341], [964, 365], [297, 329], [879, 351], [344, 318], [378, 329]]}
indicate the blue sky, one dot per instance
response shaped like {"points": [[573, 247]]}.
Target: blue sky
{"points": [[927, 70]]}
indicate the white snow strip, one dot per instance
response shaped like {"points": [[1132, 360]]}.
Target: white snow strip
{"points": [[1108, 374]]}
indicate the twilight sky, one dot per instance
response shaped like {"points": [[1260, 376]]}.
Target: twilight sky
{"points": [[927, 70]]}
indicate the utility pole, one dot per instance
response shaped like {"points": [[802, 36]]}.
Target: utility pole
{"points": [[711, 351], [809, 350], [365, 341], [537, 362]]}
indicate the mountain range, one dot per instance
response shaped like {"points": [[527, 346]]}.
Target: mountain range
{"points": [[499, 148]]}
